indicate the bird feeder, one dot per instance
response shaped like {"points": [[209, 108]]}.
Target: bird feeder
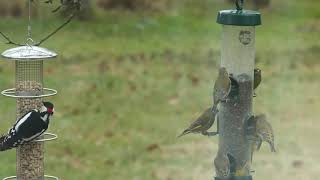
{"points": [[29, 92], [238, 57]]}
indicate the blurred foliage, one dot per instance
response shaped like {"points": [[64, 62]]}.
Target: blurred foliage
{"points": [[18, 8], [159, 5], [14, 8]]}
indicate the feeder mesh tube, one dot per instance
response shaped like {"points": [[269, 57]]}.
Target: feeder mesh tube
{"points": [[237, 56], [29, 81]]}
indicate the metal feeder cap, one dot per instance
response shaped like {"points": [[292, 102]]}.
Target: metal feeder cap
{"points": [[28, 53], [239, 17]]}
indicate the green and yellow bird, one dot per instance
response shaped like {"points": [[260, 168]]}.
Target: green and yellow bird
{"points": [[202, 124], [264, 132], [222, 166], [222, 87]]}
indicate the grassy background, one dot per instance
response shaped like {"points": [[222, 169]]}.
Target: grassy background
{"points": [[129, 82]]}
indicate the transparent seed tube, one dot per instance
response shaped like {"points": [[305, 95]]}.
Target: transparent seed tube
{"points": [[237, 56]]}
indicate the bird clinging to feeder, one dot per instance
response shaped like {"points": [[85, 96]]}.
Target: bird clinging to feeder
{"points": [[202, 124], [223, 166], [264, 132], [222, 88], [29, 127], [261, 130]]}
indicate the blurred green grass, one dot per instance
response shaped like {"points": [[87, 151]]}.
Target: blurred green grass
{"points": [[129, 82]]}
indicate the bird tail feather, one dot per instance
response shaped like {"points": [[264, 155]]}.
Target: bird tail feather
{"points": [[2, 138], [2, 145], [184, 133], [273, 149]]}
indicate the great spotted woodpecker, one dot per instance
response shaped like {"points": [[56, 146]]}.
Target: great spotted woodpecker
{"points": [[28, 127]]}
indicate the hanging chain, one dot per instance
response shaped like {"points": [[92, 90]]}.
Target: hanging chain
{"points": [[239, 4], [29, 23], [29, 38]]}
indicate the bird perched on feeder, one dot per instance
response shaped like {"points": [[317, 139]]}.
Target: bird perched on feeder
{"points": [[262, 130], [222, 166], [222, 87], [256, 79], [29, 127], [202, 124]]}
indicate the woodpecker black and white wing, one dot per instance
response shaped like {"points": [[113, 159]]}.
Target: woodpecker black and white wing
{"points": [[31, 126], [27, 128]]}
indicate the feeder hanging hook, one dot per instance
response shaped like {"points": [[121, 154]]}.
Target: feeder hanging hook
{"points": [[239, 4]]}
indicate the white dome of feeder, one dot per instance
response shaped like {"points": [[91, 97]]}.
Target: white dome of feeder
{"points": [[28, 52]]}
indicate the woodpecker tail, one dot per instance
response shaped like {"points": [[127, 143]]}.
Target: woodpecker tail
{"points": [[187, 131], [2, 139], [5, 143]]}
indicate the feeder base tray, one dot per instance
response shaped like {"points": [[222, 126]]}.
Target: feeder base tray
{"points": [[45, 177], [237, 178]]}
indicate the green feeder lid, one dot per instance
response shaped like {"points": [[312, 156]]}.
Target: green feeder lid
{"points": [[239, 17]]}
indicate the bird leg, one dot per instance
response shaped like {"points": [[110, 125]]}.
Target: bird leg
{"points": [[209, 134], [254, 94]]}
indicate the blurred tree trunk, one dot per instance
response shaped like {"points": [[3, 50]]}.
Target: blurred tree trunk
{"points": [[15, 8], [3, 8], [259, 4], [86, 12]]}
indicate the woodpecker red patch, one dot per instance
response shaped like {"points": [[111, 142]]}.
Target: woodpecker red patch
{"points": [[50, 110]]}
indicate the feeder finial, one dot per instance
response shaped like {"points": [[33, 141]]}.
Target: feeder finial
{"points": [[239, 4]]}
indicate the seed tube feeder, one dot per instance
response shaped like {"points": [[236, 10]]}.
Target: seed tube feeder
{"points": [[238, 57], [29, 91]]}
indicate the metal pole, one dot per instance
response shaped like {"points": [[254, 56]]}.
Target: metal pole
{"points": [[238, 57]]}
